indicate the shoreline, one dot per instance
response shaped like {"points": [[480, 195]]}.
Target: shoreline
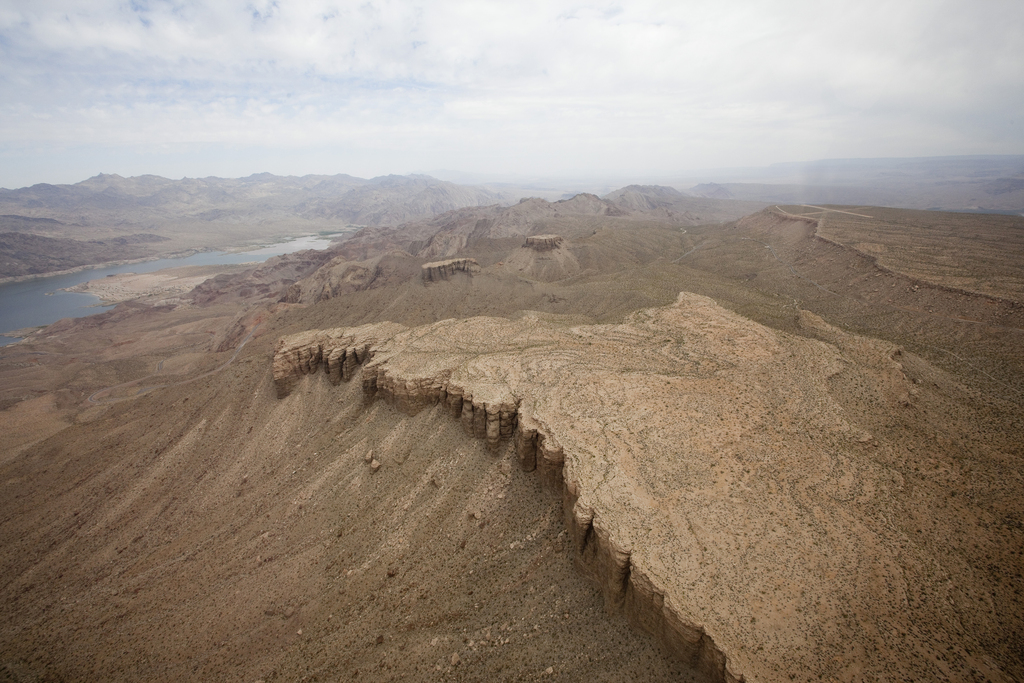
{"points": [[232, 249], [167, 282]]}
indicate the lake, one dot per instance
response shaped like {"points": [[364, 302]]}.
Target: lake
{"points": [[39, 301]]}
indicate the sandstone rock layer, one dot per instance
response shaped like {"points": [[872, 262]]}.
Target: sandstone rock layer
{"points": [[543, 242], [444, 270], [718, 487]]}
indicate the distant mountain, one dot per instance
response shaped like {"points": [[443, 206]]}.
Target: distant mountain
{"points": [[712, 190], [23, 254], [391, 200], [646, 197], [213, 213], [447, 234], [151, 200], [667, 202]]}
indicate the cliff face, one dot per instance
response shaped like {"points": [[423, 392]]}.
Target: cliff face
{"points": [[543, 242], [444, 270], [337, 351], [719, 482]]}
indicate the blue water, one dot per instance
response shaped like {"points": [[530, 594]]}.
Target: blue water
{"points": [[40, 302]]}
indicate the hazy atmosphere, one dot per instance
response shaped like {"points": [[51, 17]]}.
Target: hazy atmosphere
{"points": [[639, 91]]}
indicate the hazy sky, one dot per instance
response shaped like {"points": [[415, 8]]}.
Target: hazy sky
{"points": [[637, 89]]}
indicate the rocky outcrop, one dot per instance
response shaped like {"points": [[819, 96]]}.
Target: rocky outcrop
{"points": [[543, 242], [337, 351], [716, 480], [444, 270]]}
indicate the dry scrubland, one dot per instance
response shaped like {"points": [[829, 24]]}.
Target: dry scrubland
{"points": [[820, 467], [986, 259]]}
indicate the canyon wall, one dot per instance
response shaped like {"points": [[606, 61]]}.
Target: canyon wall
{"points": [[444, 270], [543, 242]]}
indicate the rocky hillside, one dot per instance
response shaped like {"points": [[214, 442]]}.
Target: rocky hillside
{"points": [[27, 254]]}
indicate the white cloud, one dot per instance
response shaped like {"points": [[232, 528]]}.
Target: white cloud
{"points": [[497, 86]]}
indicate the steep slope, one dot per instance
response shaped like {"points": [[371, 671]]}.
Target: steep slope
{"points": [[976, 336], [988, 258], [211, 531]]}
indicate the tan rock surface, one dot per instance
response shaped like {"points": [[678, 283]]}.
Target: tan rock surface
{"points": [[720, 480]]}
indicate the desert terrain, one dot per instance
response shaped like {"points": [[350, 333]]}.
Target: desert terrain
{"points": [[586, 439]]}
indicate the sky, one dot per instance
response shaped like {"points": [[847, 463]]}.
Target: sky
{"points": [[636, 90]]}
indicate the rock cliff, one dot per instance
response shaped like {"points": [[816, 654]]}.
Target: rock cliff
{"points": [[543, 242], [444, 270], [718, 483], [337, 351]]}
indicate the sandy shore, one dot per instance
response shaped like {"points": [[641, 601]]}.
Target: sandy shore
{"points": [[162, 283]]}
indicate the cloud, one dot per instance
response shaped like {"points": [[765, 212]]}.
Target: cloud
{"points": [[526, 87]]}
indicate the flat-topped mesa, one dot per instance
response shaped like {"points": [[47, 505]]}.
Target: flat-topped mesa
{"points": [[444, 270], [687, 479], [483, 396], [543, 242]]}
